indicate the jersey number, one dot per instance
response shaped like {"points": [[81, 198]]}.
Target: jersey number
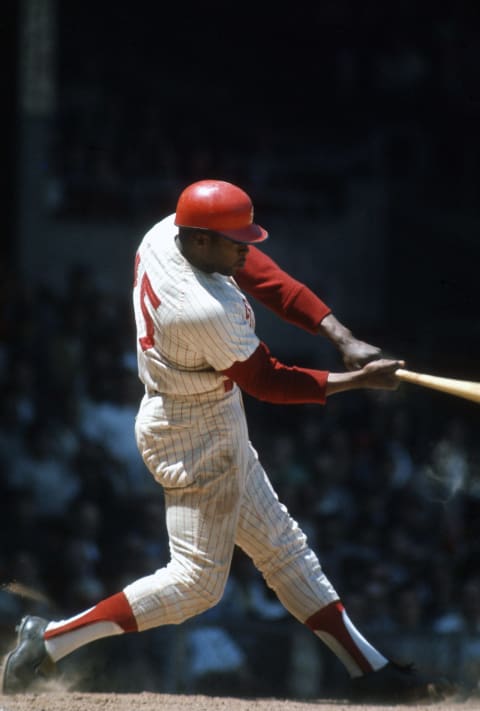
{"points": [[147, 292]]}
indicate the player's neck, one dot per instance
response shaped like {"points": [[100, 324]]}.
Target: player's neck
{"points": [[189, 251]]}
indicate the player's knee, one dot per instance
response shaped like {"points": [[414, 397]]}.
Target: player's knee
{"points": [[193, 602], [290, 546], [210, 595], [205, 601], [290, 564], [204, 590]]}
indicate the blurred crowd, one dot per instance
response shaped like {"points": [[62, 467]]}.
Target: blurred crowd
{"points": [[386, 486], [291, 109]]}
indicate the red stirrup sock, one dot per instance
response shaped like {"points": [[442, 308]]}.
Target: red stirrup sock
{"points": [[114, 609], [110, 617], [336, 630]]}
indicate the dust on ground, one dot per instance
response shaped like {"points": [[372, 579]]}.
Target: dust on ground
{"points": [[147, 701]]}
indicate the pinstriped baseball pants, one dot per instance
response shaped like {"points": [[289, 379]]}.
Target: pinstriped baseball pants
{"points": [[217, 494]]}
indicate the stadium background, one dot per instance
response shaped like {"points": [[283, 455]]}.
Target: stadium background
{"points": [[355, 129]]}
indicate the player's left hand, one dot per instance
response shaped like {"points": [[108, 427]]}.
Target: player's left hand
{"points": [[356, 354]]}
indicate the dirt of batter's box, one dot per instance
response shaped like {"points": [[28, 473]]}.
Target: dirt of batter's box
{"points": [[59, 701]]}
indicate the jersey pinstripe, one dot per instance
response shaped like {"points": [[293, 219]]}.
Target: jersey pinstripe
{"points": [[190, 324], [193, 437]]}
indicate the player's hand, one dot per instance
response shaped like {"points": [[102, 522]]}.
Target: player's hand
{"points": [[380, 374], [356, 354]]}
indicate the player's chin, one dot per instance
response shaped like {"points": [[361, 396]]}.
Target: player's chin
{"points": [[226, 271], [239, 265]]}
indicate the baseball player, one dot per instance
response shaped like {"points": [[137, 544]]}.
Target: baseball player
{"points": [[197, 351]]}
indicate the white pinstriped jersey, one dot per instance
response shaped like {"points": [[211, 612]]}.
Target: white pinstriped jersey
{"points": [[190, 325]]}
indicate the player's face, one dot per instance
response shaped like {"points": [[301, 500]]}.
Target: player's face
{"points": [[225, 256]]}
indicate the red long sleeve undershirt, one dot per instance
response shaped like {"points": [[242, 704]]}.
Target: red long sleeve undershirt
{"points": [[262, 375], [294, 302]]}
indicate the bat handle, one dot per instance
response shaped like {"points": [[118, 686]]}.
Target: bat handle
{"points": [[407, 375]]}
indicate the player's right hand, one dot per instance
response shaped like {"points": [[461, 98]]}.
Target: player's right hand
{"points": [[380, 374]]}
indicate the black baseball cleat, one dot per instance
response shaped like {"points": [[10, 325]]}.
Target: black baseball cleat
{"points": [[400, 684], [28, 663]]}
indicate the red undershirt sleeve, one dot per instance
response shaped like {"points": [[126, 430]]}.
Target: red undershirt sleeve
{"points": [[263, 377], [263, 279]]}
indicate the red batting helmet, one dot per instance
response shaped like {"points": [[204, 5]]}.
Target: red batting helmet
{"points": [[221, 207]]}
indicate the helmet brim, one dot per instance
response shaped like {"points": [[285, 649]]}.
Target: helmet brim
{"points": [[250, 234]]}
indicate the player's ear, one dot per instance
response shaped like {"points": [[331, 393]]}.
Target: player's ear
{"points": [[201, 238]]}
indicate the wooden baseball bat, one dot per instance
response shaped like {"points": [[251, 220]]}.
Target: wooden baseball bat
{"points": [[461, 388]]}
